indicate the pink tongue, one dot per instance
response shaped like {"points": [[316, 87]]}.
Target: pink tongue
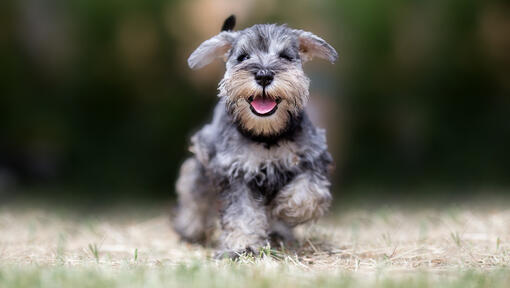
{"points": [[263, 105]]}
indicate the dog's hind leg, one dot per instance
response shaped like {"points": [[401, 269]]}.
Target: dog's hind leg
{"points": [[281, 234], [196, 202]]}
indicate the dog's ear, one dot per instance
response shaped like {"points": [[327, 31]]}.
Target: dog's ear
{"points": [[311, 45], [213, 48], [229, 23]]}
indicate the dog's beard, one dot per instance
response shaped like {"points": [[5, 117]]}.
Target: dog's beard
{"points": [[289, 90]]}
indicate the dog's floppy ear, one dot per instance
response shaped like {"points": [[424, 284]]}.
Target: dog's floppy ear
{"points": [[215, 47], [211, 49], [311, 45]]}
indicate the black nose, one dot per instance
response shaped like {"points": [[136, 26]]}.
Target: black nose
{"points": [[264, 77]]}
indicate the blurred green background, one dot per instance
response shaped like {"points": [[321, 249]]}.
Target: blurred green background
{"points": [[97, 102]]}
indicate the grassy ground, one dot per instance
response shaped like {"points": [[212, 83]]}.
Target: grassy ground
{"points": [[452, 246]]}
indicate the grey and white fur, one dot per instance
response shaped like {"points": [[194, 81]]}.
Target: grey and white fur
{"points": [[262, 174]]}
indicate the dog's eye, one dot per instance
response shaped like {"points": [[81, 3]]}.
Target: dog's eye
{"points": [[243, 57], [285, 56]]}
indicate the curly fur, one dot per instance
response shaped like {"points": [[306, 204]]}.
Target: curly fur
{"points": [[266, 174]]}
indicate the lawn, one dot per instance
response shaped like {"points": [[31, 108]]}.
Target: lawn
{"points": [[389, 246]]}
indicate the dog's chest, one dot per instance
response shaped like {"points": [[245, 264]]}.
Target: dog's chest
{"points": [[264, 170], [270, 179]]}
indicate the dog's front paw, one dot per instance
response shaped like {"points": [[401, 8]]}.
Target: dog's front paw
{"points": [[302, 200]]}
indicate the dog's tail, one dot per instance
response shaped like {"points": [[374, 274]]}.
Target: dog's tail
{"points": [[229, 23]]}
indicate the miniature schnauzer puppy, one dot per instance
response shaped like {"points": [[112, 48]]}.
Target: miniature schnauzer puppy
{"points": [[260, 165]]}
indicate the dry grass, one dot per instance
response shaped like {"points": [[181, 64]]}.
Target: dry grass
{"points": [[363, 244]]}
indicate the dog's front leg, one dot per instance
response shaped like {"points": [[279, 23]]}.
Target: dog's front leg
{"points": [[244, 222], [305, 198]]}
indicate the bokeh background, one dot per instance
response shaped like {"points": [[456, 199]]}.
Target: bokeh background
{"points": [[97, 103]]}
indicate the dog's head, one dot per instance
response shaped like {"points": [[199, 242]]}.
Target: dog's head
{"points": [[264, 86]]}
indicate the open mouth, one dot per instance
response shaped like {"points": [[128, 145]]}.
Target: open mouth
{"points": [[262, 105]]}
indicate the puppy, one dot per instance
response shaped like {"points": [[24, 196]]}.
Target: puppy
{"points": [[260, 165]]}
